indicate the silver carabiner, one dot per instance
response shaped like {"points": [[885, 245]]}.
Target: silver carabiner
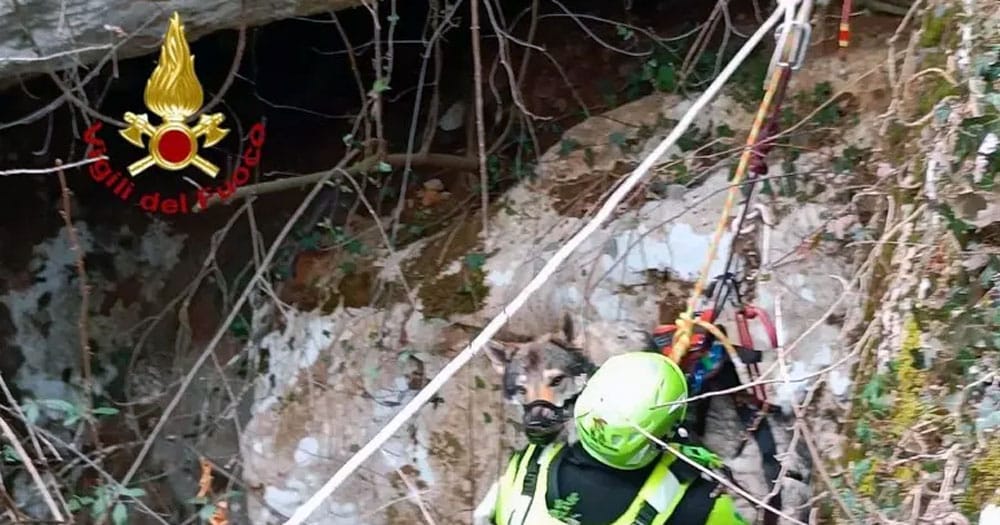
{"points": [[801, 44]]}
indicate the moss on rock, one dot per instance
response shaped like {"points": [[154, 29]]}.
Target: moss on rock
{"points": [[910, 379], [461, 292], [984, 479]]}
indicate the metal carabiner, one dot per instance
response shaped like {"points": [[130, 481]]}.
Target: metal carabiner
{"points": [[804, 32], [743, 315]]}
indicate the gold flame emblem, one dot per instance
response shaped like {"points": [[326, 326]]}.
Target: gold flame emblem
{"points": [[174, 93]]}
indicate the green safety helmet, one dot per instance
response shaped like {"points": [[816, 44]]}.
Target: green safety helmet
{"points": [[629, 389]]}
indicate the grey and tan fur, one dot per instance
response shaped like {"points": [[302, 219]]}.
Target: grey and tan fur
{"points": [[552, 368]]}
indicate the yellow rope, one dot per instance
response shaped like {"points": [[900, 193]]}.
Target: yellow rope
{"points": [[686, 322], [741, 369]]}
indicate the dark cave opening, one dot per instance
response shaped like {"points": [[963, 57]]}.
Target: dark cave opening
{"points": [[296, 76]]}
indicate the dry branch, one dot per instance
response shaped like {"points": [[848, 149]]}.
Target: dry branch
{"points": [[477, 60], [81, 271], [396, 160], [26, 461]]}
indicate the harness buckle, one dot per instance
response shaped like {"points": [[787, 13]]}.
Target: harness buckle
{"points": [[801, 31]]}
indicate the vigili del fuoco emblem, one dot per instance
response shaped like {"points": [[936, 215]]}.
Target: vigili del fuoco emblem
{"points": [[174, 93]]}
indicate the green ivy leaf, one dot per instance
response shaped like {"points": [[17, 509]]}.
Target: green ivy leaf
{"points": [[120, 514], [864, 431], [566, 146], [860, 469], [31, 410], [134, 492], [971, 133], [384, 167], [57, 404], [381, 85], [10, 455], [666, 80], [354, 246], [617, 138], [206, 512], [475, 261], [105, 411]]}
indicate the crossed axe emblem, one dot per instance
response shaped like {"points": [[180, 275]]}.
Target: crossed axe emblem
{"points": [[173, 145]]}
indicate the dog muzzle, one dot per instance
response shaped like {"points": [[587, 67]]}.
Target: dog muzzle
{"points": [[543, 421]]}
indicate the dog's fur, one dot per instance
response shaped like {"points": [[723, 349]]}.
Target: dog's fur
{"points": [[553, 368]]}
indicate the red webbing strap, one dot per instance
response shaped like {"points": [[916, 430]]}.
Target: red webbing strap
{"points": [[844, 34]]}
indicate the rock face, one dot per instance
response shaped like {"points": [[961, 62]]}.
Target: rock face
{"points": [[43, 304], [335, 378], [41, 35]]}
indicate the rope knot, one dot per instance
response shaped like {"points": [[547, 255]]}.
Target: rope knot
{"points": [[682, 340]]}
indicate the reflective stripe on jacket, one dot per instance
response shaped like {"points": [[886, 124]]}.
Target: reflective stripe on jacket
{"points": [[522, 493], [521, 497]]}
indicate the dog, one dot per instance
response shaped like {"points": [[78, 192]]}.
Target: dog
{"points": [[544, 376]]}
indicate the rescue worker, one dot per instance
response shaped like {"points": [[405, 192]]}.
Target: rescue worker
{"points": [[614, 475]]}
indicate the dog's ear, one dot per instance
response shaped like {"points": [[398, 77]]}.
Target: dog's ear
{"points": [[568, 329], [571, 332], [499, 354], [581, 363]]}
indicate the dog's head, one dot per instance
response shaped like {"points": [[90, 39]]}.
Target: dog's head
{"points": [[544, 375]]}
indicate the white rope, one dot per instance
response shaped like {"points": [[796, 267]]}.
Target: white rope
{"points": [[550, 267]]}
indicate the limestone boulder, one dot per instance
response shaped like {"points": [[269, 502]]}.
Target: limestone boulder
{"points": [[42, 35]]}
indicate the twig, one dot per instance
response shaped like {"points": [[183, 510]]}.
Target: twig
{"points": [[60, 54], [241, 42], [82, 321], [412, 136], [414, 494], [95, 71], [504, 59], [477, 61], [594, 36], [430, 127], [440, 160], [355, 70], [381, 230], [698, 46], [83, 458], [15, 515], [53, 169], [721, 480], [16, 409], [375, 93], [30, 466], [817, 459]]}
